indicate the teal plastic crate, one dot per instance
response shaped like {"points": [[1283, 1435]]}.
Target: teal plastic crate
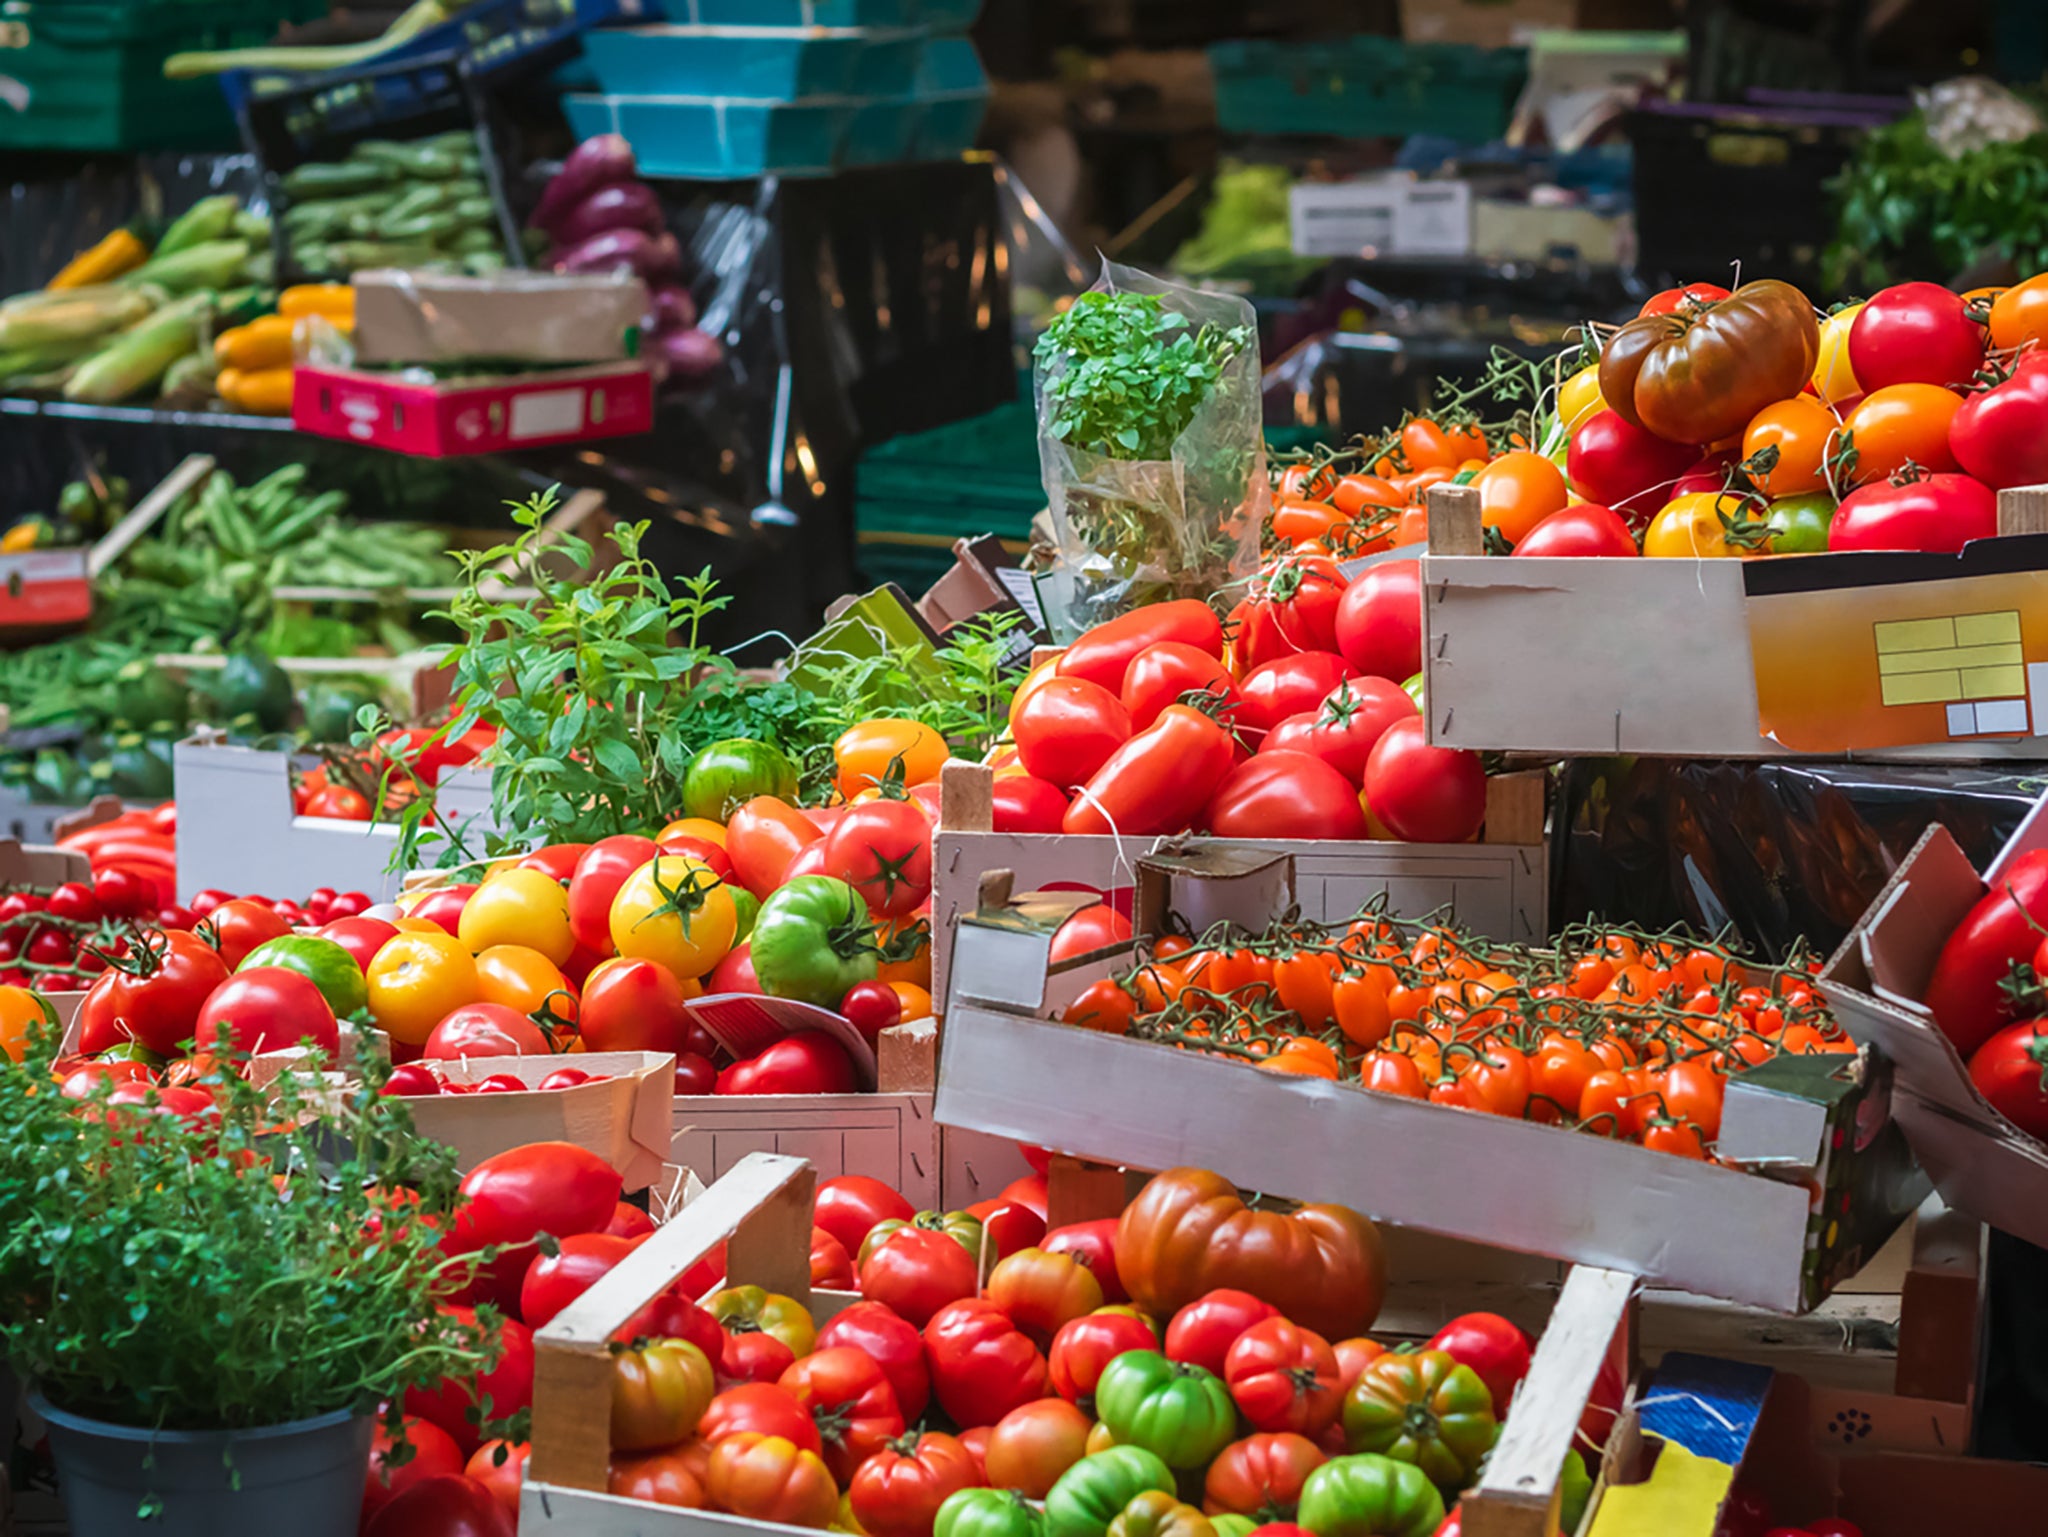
{"points": [[1367, 87], [88, 74], [718, 139]]}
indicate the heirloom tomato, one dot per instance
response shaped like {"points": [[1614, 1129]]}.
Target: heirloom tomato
{"points": [[982, 1364], [1284, 1377], [724, 776], [660, 1389], [1423, 1408], [1093, 1492], [759, 1408], [848, 1397], [1698, 374], [767, 1478], [898, 1491], [895, 1344], [1031, 1446], [1369, 1496], [813, 941], [1084, 1346], [1261, 1476], [1181, 1413], [1042, 1291]]}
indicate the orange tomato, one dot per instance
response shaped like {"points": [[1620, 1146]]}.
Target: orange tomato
{"points": [[21, 1011], [1306, 1063], [1295, 520], [1890, 426], [1304, 984], [1392, 1072], [1798, 430], [917, 1003], [2020, 314], [863, 753], [1104, 1006], [1359, 1004], [693, 827], [1517, 491], [1428, 446], [1158, 985], [522, 978], [1354, 493]]}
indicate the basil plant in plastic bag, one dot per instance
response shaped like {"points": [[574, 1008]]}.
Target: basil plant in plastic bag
{"points": [[1150, 447]]}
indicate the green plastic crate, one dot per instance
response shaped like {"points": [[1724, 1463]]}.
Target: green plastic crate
{"points": [[1367, 87], [915, 495], [88, 74]]}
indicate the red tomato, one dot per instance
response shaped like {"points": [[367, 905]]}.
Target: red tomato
{"points": [[1937, 514], [339, 802], [361, 937], [1023, 804], [1288, 686], [1085, 1345], [734, 974], [599, 873], [123, 893], [1624, 467], [894, 1343], [763, 839], [433, 1453], [1094, 1245], [695, 1074], [1294, 608], [1092, 928], [2005, 926], [443, 906], [484, 1030], [541, 1187], [1587, 529], [898, 1491], [500, 1466], [1996, 433], [759, 1408], [631, 1004], [1425, 794], [916, 1271], [240, 926], [158, 1010], [1344, 729], [1068, 728], [446, 1505], [849, 1397], [508, 1385], [1010, 1225], [629, 1221], [808, 1062], [1914, 333], [1202, 1333], [1667, 300], [1103, 655], [267, 1008], [1284, 1378], [556, 859], [871, 1008], [1493, 1347], [849, 1206], [1379, 622], [2009, 1071], [982, 1364], [1158, 780], [831, 1265], [1160, 675], [1286, 795], [883, 850]]}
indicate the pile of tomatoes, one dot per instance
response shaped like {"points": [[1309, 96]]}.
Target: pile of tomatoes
{"points": [[1625, 1034], [1194, 1365], [1989, 998], [1295, 718], [1731, 424]]}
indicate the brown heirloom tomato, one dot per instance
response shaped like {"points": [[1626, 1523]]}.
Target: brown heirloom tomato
{"points": [[1699, 375], [1189, 1232]]}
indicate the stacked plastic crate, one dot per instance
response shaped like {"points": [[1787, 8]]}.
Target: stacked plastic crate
{"points": [[738, 88]]}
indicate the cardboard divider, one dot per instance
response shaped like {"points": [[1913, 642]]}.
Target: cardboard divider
{"points": [[1008, 1069], [1512, 665], [1980, 1161], [1499, 887]]}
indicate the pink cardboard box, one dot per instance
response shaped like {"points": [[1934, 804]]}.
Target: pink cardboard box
{"points": [[494, 414]]}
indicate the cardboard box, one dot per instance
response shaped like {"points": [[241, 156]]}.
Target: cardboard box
{"points": [[1776, 1239], [442, 418], [624, 1119], [509, 316], [1387, 216], [1980, 1161], [1484, 23], [238, 831], [1499, 887], [1814, 653]]}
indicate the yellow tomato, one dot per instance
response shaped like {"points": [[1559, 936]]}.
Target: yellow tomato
{"points": [[1579, 397], [694, 827], [1692, 527], [863, 753], [522, 978], [416, 979], [519, 907], [21, 1011], [676, 912], [1832, 375], [417, 926], [917, 1003]]}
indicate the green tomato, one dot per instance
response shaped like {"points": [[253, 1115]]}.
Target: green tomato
{"points": [[813, 940], [1231, 1524], [1423, 1408], [747, 907], [987, 1513], [1413, 689], [1369, 1496], [124, 1051], [726, 775], [1094, 1491], [956, 1225], [1577, 1484], [1799, 524], [322, 962], [1181, 1412]]}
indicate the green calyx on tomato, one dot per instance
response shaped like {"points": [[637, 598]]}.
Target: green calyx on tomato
{"points": [[1423, 1408], [1799, 524], [322, 962], [813, 940], [1094, 1491], [987, 1513], [1182, 1413], [726, 775], [1369, 1496], [956, 1225]]}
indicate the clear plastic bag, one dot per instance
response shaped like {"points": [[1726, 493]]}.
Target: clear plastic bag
{"points": [[1132, 531]]}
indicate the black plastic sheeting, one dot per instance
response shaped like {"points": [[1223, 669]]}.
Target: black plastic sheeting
{"points": [[852, 310], [1772, 850]]}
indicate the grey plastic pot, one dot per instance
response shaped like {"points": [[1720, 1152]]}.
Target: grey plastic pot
{"points": [[305, 1478]]}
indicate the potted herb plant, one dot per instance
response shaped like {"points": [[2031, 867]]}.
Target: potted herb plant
{"points": [[1150, 447], [208, 1300]]}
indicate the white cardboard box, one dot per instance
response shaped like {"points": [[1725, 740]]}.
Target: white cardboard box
{"points": [[1390, 216]]}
